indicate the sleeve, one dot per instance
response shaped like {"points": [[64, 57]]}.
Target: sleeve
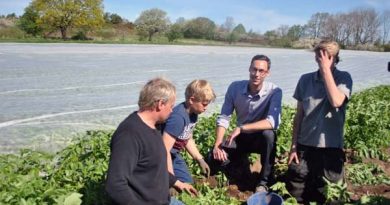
{"points": [[174, 125], [345, 85], [227, 108], [123, 159], [298, 91], [275, 108], [172, 179]]}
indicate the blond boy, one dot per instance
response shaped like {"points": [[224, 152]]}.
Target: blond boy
{"points": [[177, 135]]}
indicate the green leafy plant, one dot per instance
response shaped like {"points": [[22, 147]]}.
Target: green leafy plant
{"points": [[367, 128], [366, 174], [336, 192], [76, 174]]}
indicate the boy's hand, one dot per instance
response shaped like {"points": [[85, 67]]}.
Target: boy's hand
{"points": [[293, 157], [181, 186], [205, 167], [325, 61]]}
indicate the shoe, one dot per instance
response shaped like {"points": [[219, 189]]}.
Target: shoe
{"points": [[261, 188]]}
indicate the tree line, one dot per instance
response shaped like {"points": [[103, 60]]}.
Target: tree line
{"points": [[360, 27]]}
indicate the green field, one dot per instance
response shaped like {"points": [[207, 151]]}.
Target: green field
{"points": [[76, 174]]}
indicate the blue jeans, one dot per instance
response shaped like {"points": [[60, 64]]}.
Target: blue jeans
{"points": [[174, 201], [180, 168]]}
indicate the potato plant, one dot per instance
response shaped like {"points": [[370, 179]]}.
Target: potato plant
{"points": [[76, 174]]}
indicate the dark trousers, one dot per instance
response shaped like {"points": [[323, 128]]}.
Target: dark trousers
{"points": [[305, 180], [263, 143]]}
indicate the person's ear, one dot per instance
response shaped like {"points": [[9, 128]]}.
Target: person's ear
{"points": [[191, 100], [159, 105]]}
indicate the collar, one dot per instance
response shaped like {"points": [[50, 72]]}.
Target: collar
{"points": [[263, 91], [317, 75]]}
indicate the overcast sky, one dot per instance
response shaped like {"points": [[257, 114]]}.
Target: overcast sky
{"points": [[258, 15]]}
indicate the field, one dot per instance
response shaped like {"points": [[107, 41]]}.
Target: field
{"points": [[75, 175], [51, 92]]}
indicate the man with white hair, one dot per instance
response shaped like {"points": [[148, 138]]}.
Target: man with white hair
{"points": [[317, 138], [137, 172]]}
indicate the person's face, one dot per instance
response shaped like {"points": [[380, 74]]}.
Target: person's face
{"points": [[258, 71], [166, 108], [197, 106], [321, 54]]}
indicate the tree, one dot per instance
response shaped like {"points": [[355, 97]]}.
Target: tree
{"points": [[385, 21], [315, 25], [28, 21], [174, 32], [11, 16], [228, 25], [282, 30], [66, 14], [112, 18], [271, 35], [239, 29], [295, 32], [151, 21], [365, 25], [200, 27]]}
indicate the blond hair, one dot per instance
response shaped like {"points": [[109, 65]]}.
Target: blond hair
{"points": [[201, 90], [330, 46], [153, 91]]}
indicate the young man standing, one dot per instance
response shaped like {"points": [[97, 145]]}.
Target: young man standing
{"points": [[257, 104], [137, 172], [317, 139], [179, 128]]}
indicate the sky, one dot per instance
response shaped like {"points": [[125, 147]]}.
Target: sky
{"points": [[258, 15]]}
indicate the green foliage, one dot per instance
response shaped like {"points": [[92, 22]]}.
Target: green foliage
{"points": [[367, 127], [112, 18], [80, 35], [239, 29], [174, 32], [12, 33], [151, 22], [73, 174], [373, 200], [28, 21], [285, 130], [336, 192], [78, 172], [280, 188], [209, 196], [386, 48], [65, 14], [200, 27], [366, 174]]}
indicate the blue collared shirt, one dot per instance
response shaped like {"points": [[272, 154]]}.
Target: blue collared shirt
{"points": [[266, 104], [322, 124]]}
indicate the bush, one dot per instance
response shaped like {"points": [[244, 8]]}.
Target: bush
{"points": [[12, 33], [386, 48], [80, 35]]}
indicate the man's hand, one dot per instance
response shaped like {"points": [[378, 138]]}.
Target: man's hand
{"points": [[325, 61], [293, 156], [219, 154], [205, 167], [233, 135], [181, 186]]}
